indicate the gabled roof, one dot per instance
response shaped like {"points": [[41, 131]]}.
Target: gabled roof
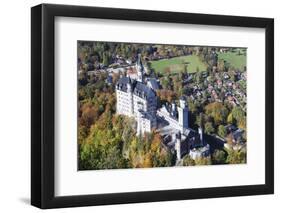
{"points": [[122, 84], [143, 91], [138, 88], [152, 82]]}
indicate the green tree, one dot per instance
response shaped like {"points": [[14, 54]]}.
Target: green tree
{"points": [[188, 161], [105, 59], [209, 129], [82, 133], [236, 156], [102, 150], [203, 161], [230, 118], [238, 113], [240, 117], [218, 157], [222, 131]]}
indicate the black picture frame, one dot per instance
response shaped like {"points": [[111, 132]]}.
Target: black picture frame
{"points": [[43, 105]]}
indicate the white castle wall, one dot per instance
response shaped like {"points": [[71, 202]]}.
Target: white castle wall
{"points": [[124, 103]]}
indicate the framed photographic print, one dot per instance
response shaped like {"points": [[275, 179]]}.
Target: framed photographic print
{"points": [[140, 106]]}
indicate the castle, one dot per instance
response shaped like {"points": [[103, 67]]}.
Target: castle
{"points": [[136, 98]]}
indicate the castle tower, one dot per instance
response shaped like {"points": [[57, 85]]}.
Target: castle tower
{"points": [[183, 114], [174, 109], [200, 131], [139, 68], [178, 145]]}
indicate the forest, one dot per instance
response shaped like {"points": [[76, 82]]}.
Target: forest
{"points": [[108, 141]]}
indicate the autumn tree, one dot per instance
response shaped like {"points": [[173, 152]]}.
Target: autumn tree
{"points": [[89, 114], [217, 111], [188, 161], [221, 65], [203, 161]]}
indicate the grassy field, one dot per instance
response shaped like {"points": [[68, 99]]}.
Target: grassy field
{"points": [[178, 64], [234, 59]]}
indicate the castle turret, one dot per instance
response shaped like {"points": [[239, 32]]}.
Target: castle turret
{"points": [[139, 68], [182, 102], [183, 114], [129, 86], [173, 108], [200, 131]]}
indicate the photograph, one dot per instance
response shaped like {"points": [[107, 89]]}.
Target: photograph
{"points": [[160, 105], [133, 105]]}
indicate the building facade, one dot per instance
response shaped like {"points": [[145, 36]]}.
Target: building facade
{"points": [[136, 99], [177, 116]]}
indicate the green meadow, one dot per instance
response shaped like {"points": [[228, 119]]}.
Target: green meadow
{"points": [[191, 63], [236, 59]]}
